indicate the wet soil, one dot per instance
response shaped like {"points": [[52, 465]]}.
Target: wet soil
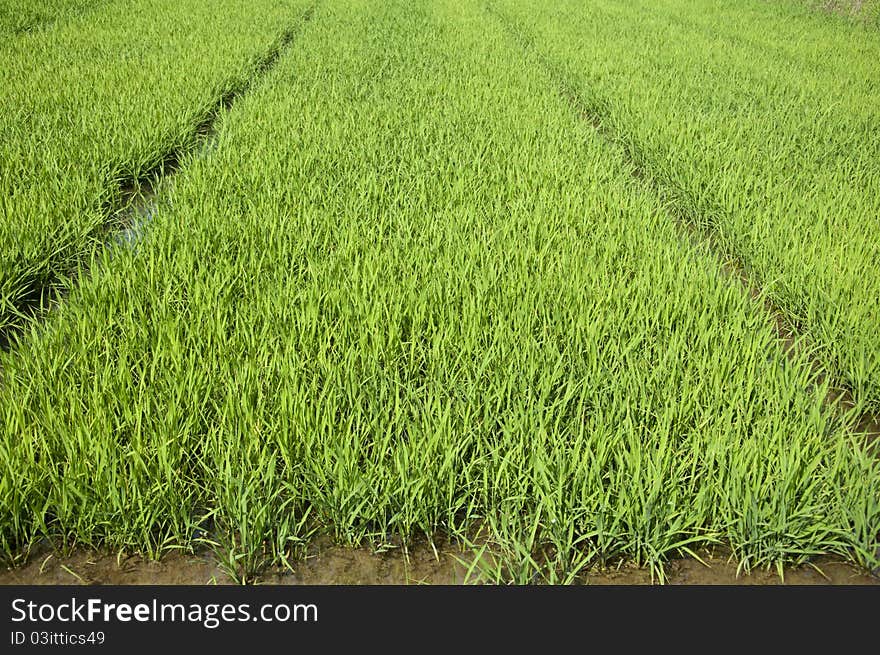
{"points": [[334, 565]]}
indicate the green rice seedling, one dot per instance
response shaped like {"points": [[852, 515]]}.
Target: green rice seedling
{"points": [[106, 100], [21, 15], [756, 121], [410, 291], [866, 12]]}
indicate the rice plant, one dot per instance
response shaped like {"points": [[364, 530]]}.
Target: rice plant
{"points": [[757, 120], [100, 103], [17, 16], [410, 291]]}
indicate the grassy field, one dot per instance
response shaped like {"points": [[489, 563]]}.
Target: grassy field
{"points": [[18, 16], [866, 12], [771, 148], [101, 101], [409, 289]]}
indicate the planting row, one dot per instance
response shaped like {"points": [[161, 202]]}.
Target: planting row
{"points": [[20, 15], [778, 158], [102, 100], [411, 291], [793, 33]]}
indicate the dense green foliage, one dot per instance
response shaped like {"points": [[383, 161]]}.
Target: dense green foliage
{"points": [[20, 15], [101, 101], [866, 12], [760, 124], [410, 290]]}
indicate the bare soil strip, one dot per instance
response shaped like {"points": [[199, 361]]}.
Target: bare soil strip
{"points": [[328, 564], [137, 196], [793, 337]]}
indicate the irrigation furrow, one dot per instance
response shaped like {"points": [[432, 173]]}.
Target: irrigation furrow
{"points": [[139, 196], [793, 337]]}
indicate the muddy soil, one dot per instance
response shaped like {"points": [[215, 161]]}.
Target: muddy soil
{"points": [[334, 565]]}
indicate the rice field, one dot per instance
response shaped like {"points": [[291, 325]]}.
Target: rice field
{"points": [[17, 16], [99, 103], [444, 270]]}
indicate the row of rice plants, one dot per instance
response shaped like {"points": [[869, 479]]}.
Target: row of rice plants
{"points": [[791, 33], [866, 12], [21, 15], [779, 160], [100, 101], [409, 291]]}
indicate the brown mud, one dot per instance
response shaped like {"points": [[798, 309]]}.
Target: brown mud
{"points": [[335, 565]]}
